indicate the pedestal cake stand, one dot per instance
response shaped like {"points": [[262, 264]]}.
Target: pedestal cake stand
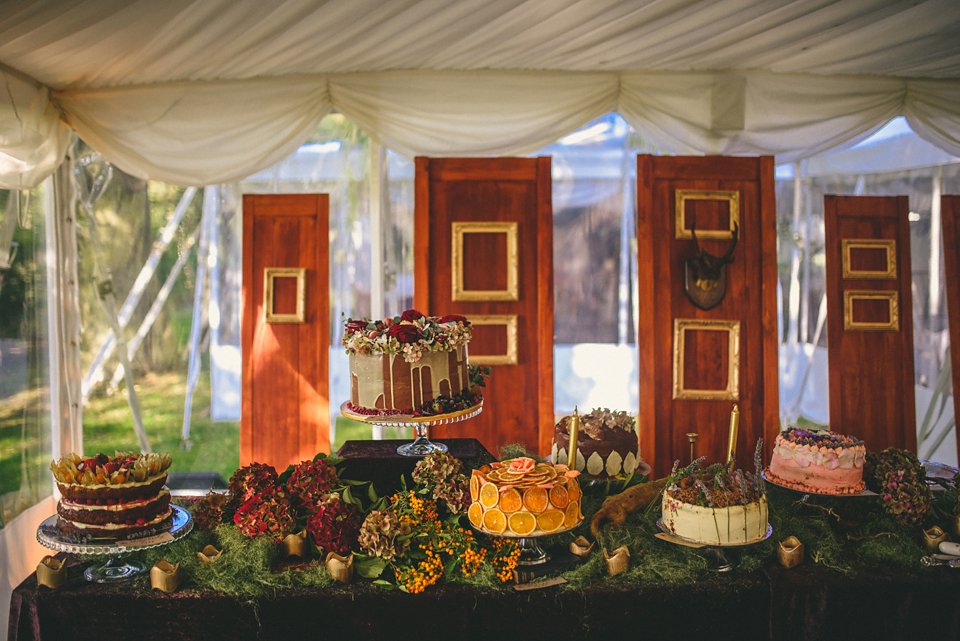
{"points": [[718, 553], [421, 445], [116, 568], [531, 552]]}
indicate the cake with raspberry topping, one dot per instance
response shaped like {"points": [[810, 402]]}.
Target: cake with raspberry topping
{"points": [[410, 364], [112, 497], [817, 462]]}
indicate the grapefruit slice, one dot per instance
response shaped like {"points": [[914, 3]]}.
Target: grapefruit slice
{"points": [[550, 520], [510, 501], [475, 514], [559, 497], [522, 523], [535, 499], [495, 521], [489, 495]]}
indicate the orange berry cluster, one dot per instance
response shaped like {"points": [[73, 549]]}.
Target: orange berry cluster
{"points": [[506, 554], [427, 572]]}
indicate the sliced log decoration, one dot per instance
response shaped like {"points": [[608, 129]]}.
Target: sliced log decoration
{"points": [[705, 278]]}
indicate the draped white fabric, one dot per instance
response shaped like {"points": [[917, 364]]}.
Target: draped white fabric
{"points": [[203, 92]]}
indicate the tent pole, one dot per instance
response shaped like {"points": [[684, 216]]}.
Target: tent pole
{"points": [[164, 238], [793, 327], [204, 256]]}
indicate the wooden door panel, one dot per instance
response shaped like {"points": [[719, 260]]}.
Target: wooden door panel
{"points": [[694, 363], [870, 319], [483, 248], [285, 416], [950, 221]]}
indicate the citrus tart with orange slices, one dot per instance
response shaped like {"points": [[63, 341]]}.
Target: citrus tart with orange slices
{"points": [[522, 498]]}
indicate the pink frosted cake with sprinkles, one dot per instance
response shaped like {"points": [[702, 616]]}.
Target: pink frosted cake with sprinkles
{"points": [[817, 462]]}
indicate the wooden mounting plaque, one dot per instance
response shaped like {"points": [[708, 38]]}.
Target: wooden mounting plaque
{"points": [[869, 322]]}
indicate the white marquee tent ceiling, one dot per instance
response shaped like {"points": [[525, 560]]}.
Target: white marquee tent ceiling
{"points": [[208, 90]]}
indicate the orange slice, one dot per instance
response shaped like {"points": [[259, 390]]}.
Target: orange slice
{"points": [[494, 521], [573, 490], [571, 515], [559, 496], [522, 523], [489, 495], [475, 487], [535, 499], [550, 520], [510, 501], [475, 514]]}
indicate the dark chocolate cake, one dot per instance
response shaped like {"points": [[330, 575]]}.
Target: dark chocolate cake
{"points": [[607, 445]]}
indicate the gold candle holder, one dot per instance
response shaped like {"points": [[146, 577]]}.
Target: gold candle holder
{"points": [[692, 438], [340, 568], [732, 437], [574, 437], [933, 537], [209, 554], [295, 545], [618, 562], [581, 547], [52, 572], [165, 576], [790, 552]]}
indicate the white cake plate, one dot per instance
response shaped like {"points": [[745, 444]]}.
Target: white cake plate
{"points": [[421, 445], [721, 562], [116, 568]]}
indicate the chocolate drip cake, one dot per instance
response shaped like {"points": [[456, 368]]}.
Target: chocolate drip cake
{"points": [[607, 444], [112, 497]]}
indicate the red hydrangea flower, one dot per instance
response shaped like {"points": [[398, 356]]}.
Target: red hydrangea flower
{"points": [[311, 480], [267, 514], [250, 480], [411, 315], [335, 525], [404, 333]]}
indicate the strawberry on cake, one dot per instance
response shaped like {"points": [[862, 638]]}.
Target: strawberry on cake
{"points": [[112, 497], [817, 462]]}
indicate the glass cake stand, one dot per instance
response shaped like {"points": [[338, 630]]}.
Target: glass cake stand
{"points": [[531, 552], [718, 556], [116, 568], [421, 445]]}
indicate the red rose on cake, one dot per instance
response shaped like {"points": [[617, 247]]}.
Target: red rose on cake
{"points": [[454, 318], [404, 333], [411, 315], [354, 326]]}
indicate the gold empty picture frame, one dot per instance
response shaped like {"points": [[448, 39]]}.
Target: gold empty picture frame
{"points": [[509, 322], [892, 324], [731, 197], [459, 291], [849, 244], [272, 273], [732, 328]]}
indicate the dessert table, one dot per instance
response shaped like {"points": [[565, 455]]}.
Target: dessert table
{"points": [[807, 603]]}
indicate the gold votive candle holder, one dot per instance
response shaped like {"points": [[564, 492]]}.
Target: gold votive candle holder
{"points": [[52, 572], [933, 537], [790, 552], [165, 576], [294, 545], [581, 547], [340, 568], [209, 554], [617, 561]]}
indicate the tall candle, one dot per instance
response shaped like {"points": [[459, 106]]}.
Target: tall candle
{"points": [[574, 435], [732, 437]]}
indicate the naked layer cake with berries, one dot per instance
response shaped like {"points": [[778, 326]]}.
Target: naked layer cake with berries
{"points": [[817, 462], [411, 364], [112, 497]]}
